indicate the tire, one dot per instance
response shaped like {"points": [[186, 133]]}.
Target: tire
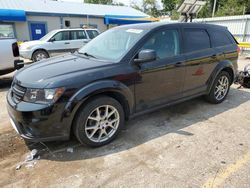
{"points": [[39, 55], [88, 125], [218, 92]]}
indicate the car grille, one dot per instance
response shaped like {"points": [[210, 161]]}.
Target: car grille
{"points": [[18, 92]]}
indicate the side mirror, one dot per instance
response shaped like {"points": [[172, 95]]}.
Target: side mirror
{"points": [[52, 40], [146, 56]]}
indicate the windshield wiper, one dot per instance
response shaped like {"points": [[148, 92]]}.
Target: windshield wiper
{"points": [[87, 54]]}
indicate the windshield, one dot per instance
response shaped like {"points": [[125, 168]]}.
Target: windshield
{"points": [[112, 44], [48, 36]]}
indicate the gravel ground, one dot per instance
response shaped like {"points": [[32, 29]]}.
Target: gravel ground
{"points": [[192, 144]]}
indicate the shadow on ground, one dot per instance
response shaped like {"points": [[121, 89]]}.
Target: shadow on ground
{"points": [[145, 128]]}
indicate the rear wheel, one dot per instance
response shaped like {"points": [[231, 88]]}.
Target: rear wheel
{"points": [[220, 88], [39, 55], [99, 121]]}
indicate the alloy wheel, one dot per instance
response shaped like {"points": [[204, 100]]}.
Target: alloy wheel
{"points": [[102, 123], [221, 88], [40, 56]]}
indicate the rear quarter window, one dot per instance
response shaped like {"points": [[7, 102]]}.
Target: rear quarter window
{"points": [[195, 40], [92, 33], [220, 38]]}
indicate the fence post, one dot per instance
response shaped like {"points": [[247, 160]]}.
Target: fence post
{"points": [[245, 33], [245, 30]]}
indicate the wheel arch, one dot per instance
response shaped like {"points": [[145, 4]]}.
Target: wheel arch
{"points": [[221, 66], [110, 93], [38, 49], [230, 72], [111, 88]]}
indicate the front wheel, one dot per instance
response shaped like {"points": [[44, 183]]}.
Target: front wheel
{"points": [[220, 88], [99, 121], [39, 55]]}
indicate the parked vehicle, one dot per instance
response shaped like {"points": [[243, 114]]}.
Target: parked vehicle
{"points": [[9, 56], [55, 42], [124, 72]]}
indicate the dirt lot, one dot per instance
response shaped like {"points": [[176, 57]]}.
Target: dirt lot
{"points": [[193, 144]]}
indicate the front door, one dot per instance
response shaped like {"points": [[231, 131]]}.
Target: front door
{"points": [[60, 43], [38, 30], [161, 81]]}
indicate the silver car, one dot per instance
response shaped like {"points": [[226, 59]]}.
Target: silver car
{"points": [[55, 42]]}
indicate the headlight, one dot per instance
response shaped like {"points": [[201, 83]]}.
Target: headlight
{"points": [[43, 96], [24, 47]]}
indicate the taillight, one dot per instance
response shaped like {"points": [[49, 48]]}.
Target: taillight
{"points": [[15, 49], [238, 49]]}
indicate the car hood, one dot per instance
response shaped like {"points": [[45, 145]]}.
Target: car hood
{"points": [[31, 43], [60, 71]]}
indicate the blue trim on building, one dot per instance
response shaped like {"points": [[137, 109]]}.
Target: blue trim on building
{"points": [[36, 22], [12, 15], [122, 16], [120, 20]]}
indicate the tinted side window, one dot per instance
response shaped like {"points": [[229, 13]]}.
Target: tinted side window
{"points": [[196, 39], [219, 38], [81, 35], [92, 33], [76, 35], [165, 43], [63, 35]]}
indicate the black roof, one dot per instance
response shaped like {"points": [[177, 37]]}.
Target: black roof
{"points": [[149, 26]]}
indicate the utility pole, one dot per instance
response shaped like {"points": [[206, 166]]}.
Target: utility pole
{"points": [[244, 9], [215, 2]]}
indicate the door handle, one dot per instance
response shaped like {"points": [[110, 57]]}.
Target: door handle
{"points": [[66, 43], [216, 55], [179, 64]]}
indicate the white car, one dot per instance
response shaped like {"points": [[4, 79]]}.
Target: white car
{"points": [[55, 42], [9, 56]]}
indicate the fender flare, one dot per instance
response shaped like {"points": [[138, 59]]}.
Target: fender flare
{"points": [[96, 88], [220, 66]]}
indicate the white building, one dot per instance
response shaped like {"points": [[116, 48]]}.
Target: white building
{"points": [[32, 19]]}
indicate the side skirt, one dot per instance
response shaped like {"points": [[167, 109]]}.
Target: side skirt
{"points": [[166, 105]]}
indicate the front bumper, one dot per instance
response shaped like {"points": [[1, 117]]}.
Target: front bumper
{"points": [[18, 64], [38, 122], [26, 54]]}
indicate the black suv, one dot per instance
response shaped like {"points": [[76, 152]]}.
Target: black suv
{"points": [[124, 72]]}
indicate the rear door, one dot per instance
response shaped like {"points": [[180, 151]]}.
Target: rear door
{"points": [[224, 45], [200, 60], [78, 39]]}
